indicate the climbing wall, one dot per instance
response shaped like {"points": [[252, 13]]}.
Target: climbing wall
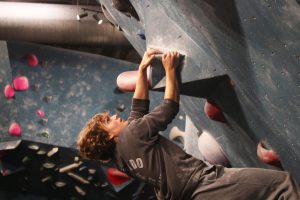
{"points": [[34, 171], [7, 106], [58, 91], [63, 89], [66, 89], [241, 56]]}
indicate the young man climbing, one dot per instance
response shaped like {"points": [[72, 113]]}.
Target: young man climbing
{"points": [[138, 150]]}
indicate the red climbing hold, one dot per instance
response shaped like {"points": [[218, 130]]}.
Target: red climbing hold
{"points": [[32, 60], [116, 177], [40, 113], [14, 129], [9, 91], [213, 111], [21, 83], [268, 156]]}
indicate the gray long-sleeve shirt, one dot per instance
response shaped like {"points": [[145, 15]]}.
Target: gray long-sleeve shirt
{"points": [[144, 154]]}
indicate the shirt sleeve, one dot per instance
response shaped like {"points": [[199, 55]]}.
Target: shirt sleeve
{"points": [[139, 108], [157, 120]]}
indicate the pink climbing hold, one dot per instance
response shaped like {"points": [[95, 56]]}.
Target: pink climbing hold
{"points": [[32, 60], [211, 150], [40, 113], [15, 129], [9, 91], [21, 83], [126, 81]]}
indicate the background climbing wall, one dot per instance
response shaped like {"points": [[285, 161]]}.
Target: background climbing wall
{"points": [[243, 56], [27, 173], [70, 87], [7, 106]]}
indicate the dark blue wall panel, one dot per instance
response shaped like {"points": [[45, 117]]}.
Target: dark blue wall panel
{"points": [[8, 107], [79, 84]]}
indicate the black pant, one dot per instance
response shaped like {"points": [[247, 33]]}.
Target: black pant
{"points": [[222, 183]]}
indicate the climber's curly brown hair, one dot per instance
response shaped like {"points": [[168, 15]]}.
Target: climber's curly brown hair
{"points": [[93, 140]]}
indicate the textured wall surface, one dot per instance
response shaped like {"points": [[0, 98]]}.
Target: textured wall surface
{"points": [[253, 43], [69, 86], [77, 87], [7, 106]]}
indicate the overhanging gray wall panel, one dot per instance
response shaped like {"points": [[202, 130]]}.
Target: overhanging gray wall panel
{"points": [[254, 43]]}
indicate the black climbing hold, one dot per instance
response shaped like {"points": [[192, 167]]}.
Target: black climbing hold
{"points": [[120, 107]]}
